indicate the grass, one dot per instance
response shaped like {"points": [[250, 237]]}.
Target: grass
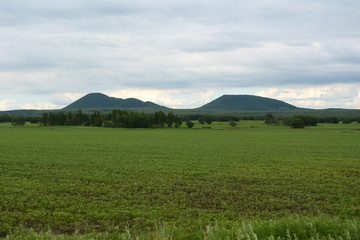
{"points": [[73, 182], [320, 228]]}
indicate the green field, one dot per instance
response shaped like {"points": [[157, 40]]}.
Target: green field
{"points": [[57, 182]]}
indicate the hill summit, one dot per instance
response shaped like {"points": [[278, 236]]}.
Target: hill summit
{"points": [[229, 103], [102, 101], [246, 102]]}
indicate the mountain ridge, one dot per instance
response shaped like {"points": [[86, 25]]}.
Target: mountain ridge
{"points": [[246, 105], [225, 102], [100, 100]]}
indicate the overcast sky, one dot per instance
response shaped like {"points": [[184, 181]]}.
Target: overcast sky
{"points": [[179, 53]]}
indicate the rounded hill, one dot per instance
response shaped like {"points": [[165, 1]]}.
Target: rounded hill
{"points": [[102, 101], [246, 102]]}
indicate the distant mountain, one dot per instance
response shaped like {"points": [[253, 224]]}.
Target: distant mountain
{"points": [[247, 103], [102, 101]]}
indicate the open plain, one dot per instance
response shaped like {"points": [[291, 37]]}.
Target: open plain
{"points": [[64, 182]]}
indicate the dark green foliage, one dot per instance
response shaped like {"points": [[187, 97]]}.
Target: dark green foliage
{"points": [[116, 119], [5, 118], [209, 119], [206, 119], [347, 121], [190, 124], [300, 121], [246, 102], [247, 118], [177, 121], [329, 120], [170, 119], [308, 120], [227, 118], [232, 123], [70, 121], [44, 119], [296, 122], [159, 119], [18, 121], [34, 119], [53, 119], [269, 119], [219, 118], [96, 120]]}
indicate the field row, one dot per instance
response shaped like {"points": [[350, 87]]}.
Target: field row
{"points": [[70, 179]]}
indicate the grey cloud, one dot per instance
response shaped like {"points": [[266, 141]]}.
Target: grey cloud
{"points": [[97, 45]]}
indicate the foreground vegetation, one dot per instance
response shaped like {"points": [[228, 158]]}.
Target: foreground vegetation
{"points": [[245, 182], [320, 228]]}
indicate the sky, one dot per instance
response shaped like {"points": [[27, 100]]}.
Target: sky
{"points": [[179, 53]]}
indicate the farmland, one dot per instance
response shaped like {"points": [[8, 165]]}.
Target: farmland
{"points": [[87, 180]]}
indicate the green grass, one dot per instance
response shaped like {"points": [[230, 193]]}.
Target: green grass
{"points": [[98, 182]]}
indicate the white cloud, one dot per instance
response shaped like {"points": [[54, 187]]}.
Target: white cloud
{"points": [[172, 52], [162, 97], [325, 96], [66, 98], [39, 106], [170, 98], [8, 104], [206, 96]]}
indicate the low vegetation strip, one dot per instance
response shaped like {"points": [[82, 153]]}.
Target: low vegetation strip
{"points": [[320, 228], [82, 181]]}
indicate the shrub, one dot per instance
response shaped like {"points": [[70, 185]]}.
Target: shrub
{"points": [[189, 124], [296, 122]]}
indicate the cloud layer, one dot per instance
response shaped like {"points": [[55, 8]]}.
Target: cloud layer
{"points": [[170, 51]]}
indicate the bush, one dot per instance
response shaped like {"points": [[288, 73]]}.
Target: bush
{"points": [[269, 119], [18, 121], [232, 123], [296, 122], [189, 124], [347, 121]]}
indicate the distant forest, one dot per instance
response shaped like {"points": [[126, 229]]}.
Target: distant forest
{"points": [[123, 119]]}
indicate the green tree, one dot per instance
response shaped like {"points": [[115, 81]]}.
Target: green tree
{"points": [[189, 124], [95, 119], [61, 118], [347, 121], [232, 123], [5, 118], [52, 119], [170, 119], [269, 119], [209, 119], [296, 122], [44, 119], [69, 119], [177, 121], [201, 120], [18, 121], [159, 118]]}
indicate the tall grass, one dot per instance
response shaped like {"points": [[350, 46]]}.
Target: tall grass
{"points": [[290, 228]]}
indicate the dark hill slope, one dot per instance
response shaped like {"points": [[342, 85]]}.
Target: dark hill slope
{"points": [[246, 102], [101, 101]]}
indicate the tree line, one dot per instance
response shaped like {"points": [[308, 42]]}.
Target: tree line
{"points": [[300, 121], [115, 119], [123, 119]]}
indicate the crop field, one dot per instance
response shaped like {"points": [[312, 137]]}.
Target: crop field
{"points": [[200, 183]]}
